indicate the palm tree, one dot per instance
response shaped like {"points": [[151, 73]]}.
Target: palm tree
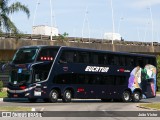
{"points": [[6, 10]]}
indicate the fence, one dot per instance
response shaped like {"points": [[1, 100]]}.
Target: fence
{"points": [[4, 76]]}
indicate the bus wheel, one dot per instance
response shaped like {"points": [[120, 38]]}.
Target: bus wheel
{"points": [[32, 100], [136, 96], [67, 96], [126, 97], [53, 96]]}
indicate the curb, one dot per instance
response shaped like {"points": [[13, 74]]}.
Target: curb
{"points": [[148, 108], [1, 99], [12, 99]]}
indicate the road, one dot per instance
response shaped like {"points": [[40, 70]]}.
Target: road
{"points": [[83, 105]]}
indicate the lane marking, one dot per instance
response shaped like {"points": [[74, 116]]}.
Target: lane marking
{"points": [[33, 109], [42, 109]]}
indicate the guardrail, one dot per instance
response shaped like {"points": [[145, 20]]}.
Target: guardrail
{"points": [[75, 39], [5, 78]]}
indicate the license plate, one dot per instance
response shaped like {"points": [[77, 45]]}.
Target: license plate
{"points": [[15, 95]]}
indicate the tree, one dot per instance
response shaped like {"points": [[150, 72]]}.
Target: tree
{"points": [[63, 36], [6, 10], [158, 72]]}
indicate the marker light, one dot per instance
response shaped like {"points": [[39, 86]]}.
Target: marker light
{"points": [[41, 58], [121, 70], [51, 58], [22, 87], [46, 58], [80, 90]]}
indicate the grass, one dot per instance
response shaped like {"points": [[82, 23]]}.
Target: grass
{"points": [[11, 108], [151, 105], [158, 92], [3, 94]]}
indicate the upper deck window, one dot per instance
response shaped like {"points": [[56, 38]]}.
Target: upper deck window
{"points": [[25, 55], [68, 57]]}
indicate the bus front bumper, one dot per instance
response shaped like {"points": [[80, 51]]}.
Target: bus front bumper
{"points": [[26, 93]]}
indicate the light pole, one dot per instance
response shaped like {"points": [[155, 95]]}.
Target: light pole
{"points": [[86, 20], [113, 28], [151, 17], [51, 18], [119, 25], [35, 12]]}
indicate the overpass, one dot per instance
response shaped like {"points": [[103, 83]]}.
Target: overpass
{"points": [[10, 43]]}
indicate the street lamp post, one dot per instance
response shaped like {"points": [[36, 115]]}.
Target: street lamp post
{"points": [[119, 25], [151, 17], [51, 18], [113, 28]]}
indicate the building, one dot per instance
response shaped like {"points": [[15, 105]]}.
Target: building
{"points": [[112, 36], [44, 30]]}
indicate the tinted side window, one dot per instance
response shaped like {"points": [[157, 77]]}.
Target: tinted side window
{"points": [[111, 59], [122, 61], [120, 80], [95, 79], [108, 80], [94, 58], [62, 79], [139, 62], [152, 61], [68, 57], [130, 61], [103, 59], [83, 57], [116, 60]]}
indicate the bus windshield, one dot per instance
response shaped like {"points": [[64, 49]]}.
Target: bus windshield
{"points": [[25, 55], [22, 77]]}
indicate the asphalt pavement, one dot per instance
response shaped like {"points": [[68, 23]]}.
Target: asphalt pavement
{"points": [[78, 106]]}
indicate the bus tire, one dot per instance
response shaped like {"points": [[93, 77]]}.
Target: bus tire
{"points": [[67, 96], [53, 96], [126, 97], [136, 96], [32, 100]]}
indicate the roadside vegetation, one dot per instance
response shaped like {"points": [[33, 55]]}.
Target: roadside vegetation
{"points": [[3, 94], [158, 72], [151, 105], [11, 108], [6, 9]]}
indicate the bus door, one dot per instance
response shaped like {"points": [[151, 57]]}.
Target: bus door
{"points": [[40, 73]]}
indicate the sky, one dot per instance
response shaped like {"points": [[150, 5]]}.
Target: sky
{"points": [[135, 20]]}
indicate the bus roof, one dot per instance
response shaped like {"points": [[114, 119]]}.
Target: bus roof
{"points": [[91, 50], [39, 46], [107, 51]]}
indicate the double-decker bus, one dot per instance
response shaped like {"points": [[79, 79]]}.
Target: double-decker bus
{"points": [[58, 72]]}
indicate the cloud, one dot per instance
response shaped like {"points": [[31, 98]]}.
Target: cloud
{"points": [[145, 3]]}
